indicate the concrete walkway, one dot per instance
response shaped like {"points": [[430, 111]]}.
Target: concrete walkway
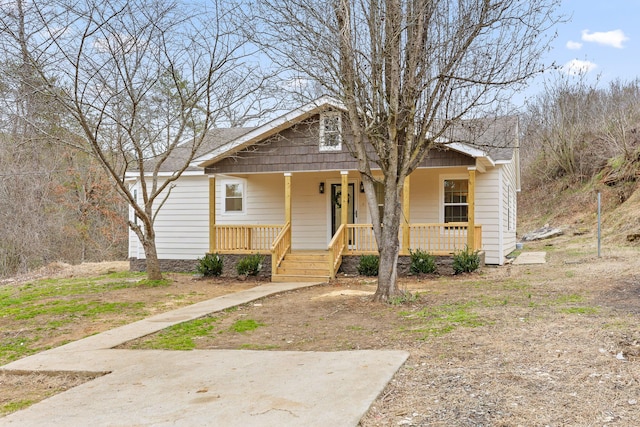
{"points": [[206, 387], [527, 258]]}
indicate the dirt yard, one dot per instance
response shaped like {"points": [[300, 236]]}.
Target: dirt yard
{"points": [[554, 344]]}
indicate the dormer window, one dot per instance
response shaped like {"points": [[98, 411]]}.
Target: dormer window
{"points": [[330, 131]]}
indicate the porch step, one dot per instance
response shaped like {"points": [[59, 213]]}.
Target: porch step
{"points": [[303, 267], [284, 278]]}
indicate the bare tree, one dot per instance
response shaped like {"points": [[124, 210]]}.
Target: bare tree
{"points": [[141, 79], [39, 217], [407, 72], [574, 129]]}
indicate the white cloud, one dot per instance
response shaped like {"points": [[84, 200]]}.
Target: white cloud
{"points": [[573, 45], [613, 38], [577, 66]]}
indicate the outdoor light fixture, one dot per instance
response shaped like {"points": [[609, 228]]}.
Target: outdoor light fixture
{"points": [[361, 187], [321, 188]]}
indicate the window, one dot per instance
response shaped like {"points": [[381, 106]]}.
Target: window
{"points": [[234, 197], [456, 207], [330, 132]]}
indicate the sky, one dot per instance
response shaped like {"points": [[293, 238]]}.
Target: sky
{"points": [[600, 39]]}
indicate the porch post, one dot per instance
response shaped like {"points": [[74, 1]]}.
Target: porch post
{"points": [[344, 199], [406, 221], [212, 214], [287, 197], [471, 201]]}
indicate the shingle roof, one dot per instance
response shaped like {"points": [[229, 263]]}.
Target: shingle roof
{"points": [[215, 138], [498, 136]]}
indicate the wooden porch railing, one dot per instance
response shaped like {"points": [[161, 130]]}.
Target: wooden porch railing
{"points": [[437, 239], [241, 238], [361, 239], [281, 246], [442, 239], [337, 247]]}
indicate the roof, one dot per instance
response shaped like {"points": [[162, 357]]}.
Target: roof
{"points": [[497, 137], [214, 139], [490, 140]]}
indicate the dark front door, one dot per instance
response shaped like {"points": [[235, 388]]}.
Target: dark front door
{"points": [[336, 208]]}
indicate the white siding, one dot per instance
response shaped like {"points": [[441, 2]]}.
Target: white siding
{"points": [[425, 194], [264, 200], [488, 213], [509, 208], [309, 219], [182, 224]]}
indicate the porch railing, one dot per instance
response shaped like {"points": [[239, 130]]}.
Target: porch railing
{"points": [[337, 247], [443, 239], [361, 239], [241, 238], [437, 239], [281, 246]]}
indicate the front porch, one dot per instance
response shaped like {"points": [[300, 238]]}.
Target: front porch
{"points": [[348, 239]]}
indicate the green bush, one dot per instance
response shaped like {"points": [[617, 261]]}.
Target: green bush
{"points": [[422, 262], [250, 265], [466, 261], [368, 265], [210, 265]]}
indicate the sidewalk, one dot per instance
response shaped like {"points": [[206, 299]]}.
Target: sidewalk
{"points": [[206, 387]]}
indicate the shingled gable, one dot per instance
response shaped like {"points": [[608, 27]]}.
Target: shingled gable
{"points": [[490, 141], [269, 129]]}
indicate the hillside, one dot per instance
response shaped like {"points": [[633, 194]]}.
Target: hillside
{"points": [[572, 206]]}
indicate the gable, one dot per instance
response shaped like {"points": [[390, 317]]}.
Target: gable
{"points": [[292, 143], [298, 149]]}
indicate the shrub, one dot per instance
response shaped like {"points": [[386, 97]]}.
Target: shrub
{"points": [[250, 265], [210, 265], [466, 261], [422, 262], [368, 265]]}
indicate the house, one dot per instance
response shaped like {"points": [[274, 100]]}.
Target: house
{"points": [[276, 189]]}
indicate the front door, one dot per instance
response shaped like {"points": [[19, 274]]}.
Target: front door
{"points": [[336, 207]]}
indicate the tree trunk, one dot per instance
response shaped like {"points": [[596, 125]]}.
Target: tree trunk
{"points": [[151, 255], [389, 246]]}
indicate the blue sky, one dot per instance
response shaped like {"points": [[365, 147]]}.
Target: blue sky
{"points": [[601, 38]]}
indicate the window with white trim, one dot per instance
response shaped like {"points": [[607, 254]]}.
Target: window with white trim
{"points": [[456, 206], [330, 131], [233, 196]]}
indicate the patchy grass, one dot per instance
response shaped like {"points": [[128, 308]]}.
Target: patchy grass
{"points": [[580, 310], [33, 312], [181, 336], [245, 325], [15, 406], [440, 320]]}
